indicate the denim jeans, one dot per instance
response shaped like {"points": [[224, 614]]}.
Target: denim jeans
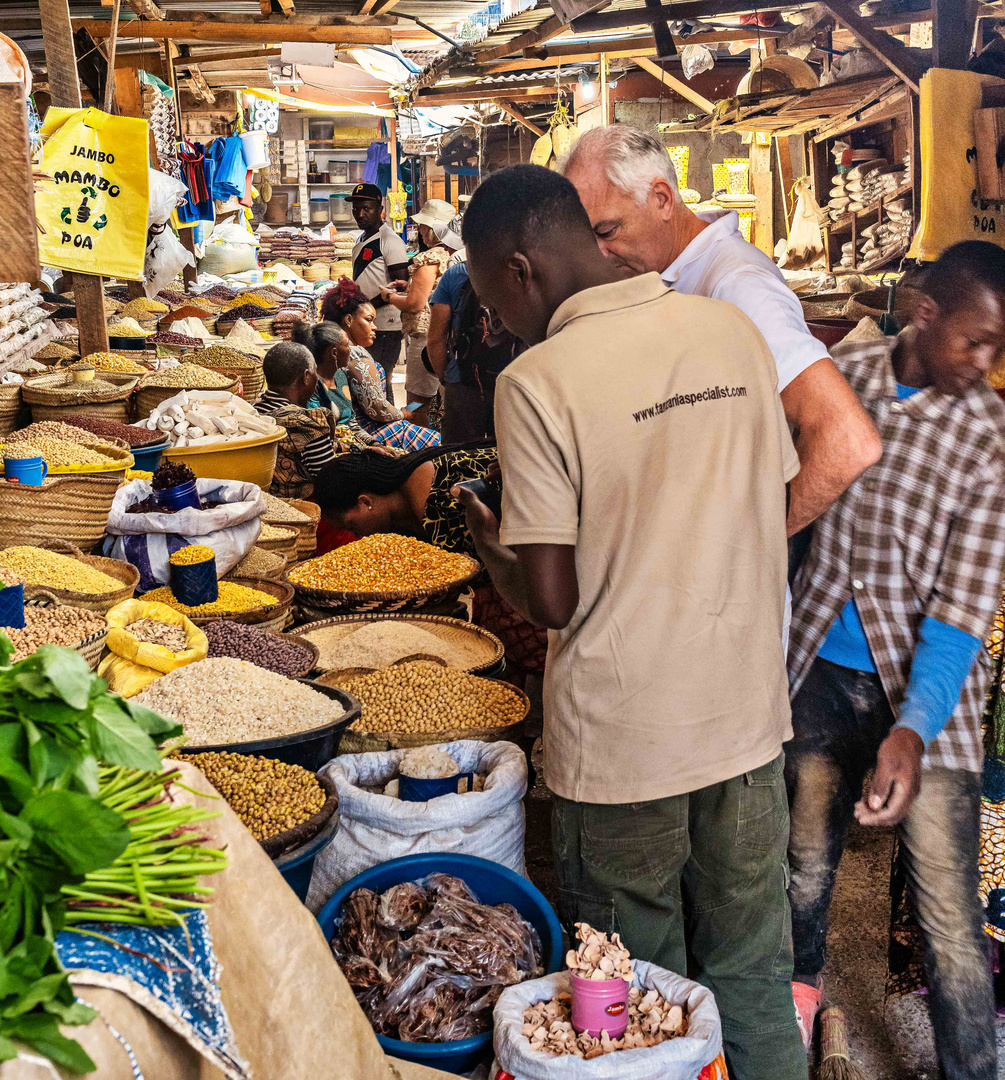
{"points": [[839, 718], [696, 884]]}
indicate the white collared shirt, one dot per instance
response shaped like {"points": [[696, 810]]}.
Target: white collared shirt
{"points": [[719, 263]]}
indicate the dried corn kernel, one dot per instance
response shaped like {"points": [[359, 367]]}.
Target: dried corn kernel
{"points": [[232, 597], [109, 361], [194, 553], [382, 562]]}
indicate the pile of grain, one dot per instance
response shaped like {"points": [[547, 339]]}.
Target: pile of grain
{"points": [[379, 644]]}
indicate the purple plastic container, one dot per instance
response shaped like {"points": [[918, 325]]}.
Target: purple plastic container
{"points": [[599, 1006]]}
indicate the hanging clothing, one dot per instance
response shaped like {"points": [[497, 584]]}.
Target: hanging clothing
{"points": [[231, 168]]}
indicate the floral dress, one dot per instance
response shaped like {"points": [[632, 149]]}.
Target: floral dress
{"points": [[376, 415]]}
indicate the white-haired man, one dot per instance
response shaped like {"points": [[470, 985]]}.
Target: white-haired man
{"points": [[627, 183]]}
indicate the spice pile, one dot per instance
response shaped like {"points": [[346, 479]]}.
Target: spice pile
{"points": [[37, 566], [157, 632], [379, 644], [269, 796], [169, 337], [382, 562], [270, 651], [188, 375], [231, 701], [422, 696], [52, 626], [427, 961], [232, 598], [142, 308]]}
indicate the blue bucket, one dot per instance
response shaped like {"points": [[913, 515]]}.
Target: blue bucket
{"points": [[297, 865], [180, 496], [491, 884], [147, 458], [12, 606]]}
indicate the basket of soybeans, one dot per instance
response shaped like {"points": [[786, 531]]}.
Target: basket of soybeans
{"points": [[59, 569], [382, 572], [422, 702]]}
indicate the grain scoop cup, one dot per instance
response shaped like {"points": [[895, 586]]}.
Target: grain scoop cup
{"points": [[599, 1006]]}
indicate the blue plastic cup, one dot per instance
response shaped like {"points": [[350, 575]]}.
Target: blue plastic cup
{"points": [[418, 789], [25, 470], [180, 496]]}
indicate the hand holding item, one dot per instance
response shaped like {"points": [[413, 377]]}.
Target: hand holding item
{"points": [[896, 782]]}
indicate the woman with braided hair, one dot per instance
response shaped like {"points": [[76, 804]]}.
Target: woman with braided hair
{"points": [[345, 305], [367, 493]]}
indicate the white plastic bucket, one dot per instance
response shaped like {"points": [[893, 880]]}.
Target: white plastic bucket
{"points": [[256, 149]]}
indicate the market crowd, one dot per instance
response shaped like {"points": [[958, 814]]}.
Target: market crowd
{"points": [[642, 383]]}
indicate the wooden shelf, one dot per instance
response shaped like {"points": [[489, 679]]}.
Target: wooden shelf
{"points": [[871, 267], [843, 223]]}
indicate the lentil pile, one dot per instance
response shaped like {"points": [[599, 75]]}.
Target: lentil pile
{"points": [[379, 563], [259, 563], [270, 651], [52, 626], [55, 351], [232, 598], [169, 337], [221, 356], [110, 429], [189, 375], [192, 554], [269, 796], [422, 696], [278, 511], [37, 566], [159, 633], [231, 701], [379, 644]]}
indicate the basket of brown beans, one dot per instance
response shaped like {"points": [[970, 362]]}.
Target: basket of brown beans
{"points": [[285, 654]]}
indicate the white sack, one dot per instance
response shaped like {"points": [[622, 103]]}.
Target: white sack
{"points": [[375, 828]]}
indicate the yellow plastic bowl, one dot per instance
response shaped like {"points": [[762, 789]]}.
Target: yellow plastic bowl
{"points": [[252, 461]]}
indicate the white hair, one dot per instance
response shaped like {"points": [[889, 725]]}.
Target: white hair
{"points": [[632, 159]]}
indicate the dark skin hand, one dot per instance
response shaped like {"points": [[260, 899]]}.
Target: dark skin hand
{"points": [[538, 580], [896, 782]]}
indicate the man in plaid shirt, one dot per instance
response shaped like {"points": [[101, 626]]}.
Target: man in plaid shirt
{"points": [[886, 664]]}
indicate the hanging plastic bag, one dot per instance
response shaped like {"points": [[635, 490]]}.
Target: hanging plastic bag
{"points": [[166, 194], [131, 664], [695, 59], [98, 193], [166, 257], [806, 242]]}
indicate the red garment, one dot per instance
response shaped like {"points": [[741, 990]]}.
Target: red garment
{"points": [[330, 537]]}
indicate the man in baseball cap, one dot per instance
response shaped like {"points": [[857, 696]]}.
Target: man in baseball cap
{"points": [[378, 258]]}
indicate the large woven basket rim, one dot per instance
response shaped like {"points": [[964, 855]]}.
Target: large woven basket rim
{"points": [[146, 384], [51, 600], [399, 594], [122, 571], [263, 584], [73, 393], [404, 616]]}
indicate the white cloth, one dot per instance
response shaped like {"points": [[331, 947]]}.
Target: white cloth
{"points": [[720, 263], [389, 250]]}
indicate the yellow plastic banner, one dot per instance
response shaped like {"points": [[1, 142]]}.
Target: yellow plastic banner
{"points": [[951, 207], [94, 211]]}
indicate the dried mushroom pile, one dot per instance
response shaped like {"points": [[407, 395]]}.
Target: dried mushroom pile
{"points": [[427, 962], [598, 957]]}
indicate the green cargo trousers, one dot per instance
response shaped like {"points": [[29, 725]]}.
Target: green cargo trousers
{"points": [[696, 883]]}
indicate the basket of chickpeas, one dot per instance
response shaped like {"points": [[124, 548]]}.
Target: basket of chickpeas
{"points": [[422, 702], [382, 572]]}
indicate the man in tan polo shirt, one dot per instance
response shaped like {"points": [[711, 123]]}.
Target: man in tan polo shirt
{"points": [[644, 459]]}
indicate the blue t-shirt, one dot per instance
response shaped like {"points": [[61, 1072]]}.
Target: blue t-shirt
{"points": [[448, 291]]}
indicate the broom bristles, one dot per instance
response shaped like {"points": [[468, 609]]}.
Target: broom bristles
{"points": [[835, 1061]]}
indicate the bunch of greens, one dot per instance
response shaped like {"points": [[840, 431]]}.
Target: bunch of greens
{"points": [[57, 721]]}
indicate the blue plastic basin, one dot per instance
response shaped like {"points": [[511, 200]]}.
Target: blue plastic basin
{"points": [[297, 865], [147, 458], [491, 884]]}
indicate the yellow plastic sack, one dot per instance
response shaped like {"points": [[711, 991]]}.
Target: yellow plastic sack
{"points": [[951, 209], [94, 211], [132, 665]]}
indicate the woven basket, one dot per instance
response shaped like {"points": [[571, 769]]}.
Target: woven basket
{"points": [[92, 646], [252, 380], [99, 602], [356, 740], [281, 545], [71, 508], [485, 650], [402, 600], [274, 575], [55, 396], [307, 531], [264, 617], [149, 397], [10, 406]]}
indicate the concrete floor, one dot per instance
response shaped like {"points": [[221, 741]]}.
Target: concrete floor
{"points": [[891, 1042]]}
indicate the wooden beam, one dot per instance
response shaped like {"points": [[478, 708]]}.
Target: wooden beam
{"points": [[198, 85], [113, 42], [686, 9], [457, 97], [384, 6], [224, 61], [891, 52], [19, 252], [145, 9], [545, 32], [366, 7], [64, 90], [265, 33], [680, 87], [952, 32], [784, 152], [514, 114], [568, 10]]}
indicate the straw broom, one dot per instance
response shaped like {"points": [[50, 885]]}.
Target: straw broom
{"points": [[835, 1061]]}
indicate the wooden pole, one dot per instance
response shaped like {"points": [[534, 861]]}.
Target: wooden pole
{"points": [[113, 42], [667, 79], [605, 92], [19, 253], [522, 120], [265, 33], [64, 90]]}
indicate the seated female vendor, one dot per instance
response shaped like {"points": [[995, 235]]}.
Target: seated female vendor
{"points": [[310, 442], [347, 307], [367, 493]]}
